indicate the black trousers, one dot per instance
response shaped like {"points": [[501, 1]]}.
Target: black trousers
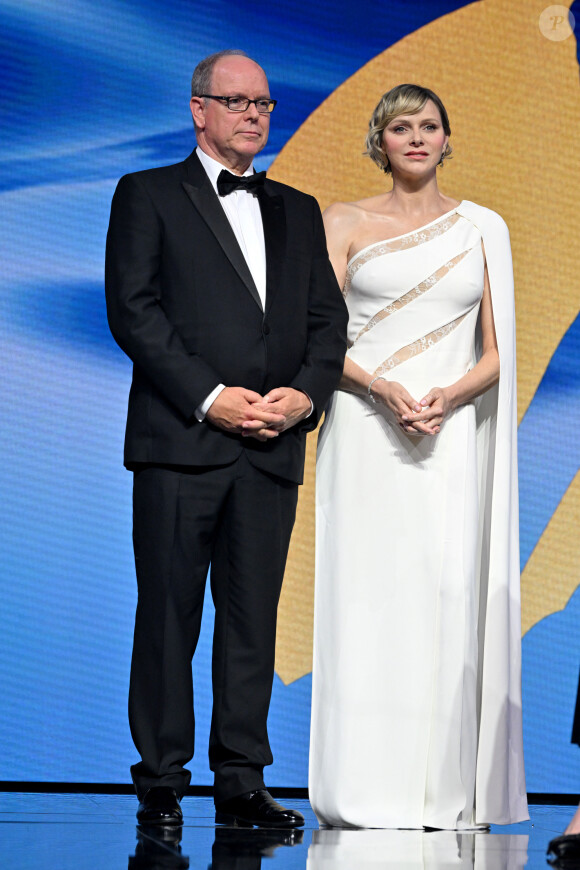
{"points": [[238, 519]]}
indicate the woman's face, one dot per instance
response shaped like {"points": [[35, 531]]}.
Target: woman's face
{"points": [[414, 143]]}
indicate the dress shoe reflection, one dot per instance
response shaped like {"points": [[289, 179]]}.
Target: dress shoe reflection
{"points": [[158, 848], [244, 848], [341, 849]]}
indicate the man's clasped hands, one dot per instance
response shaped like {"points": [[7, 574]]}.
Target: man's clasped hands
{"points": [[246, 412]]}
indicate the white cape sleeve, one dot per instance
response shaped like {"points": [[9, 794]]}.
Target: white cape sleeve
{"points": [[500, 784]]}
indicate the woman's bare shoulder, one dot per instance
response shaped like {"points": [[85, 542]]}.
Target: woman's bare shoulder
{"points": [[353, 213], [340, 221], [340, 211]]}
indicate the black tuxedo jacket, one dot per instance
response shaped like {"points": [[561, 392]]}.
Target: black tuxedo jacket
{"points": [[183, 306]]}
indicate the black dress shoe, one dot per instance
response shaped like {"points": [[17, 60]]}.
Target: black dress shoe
{"points": [[257, 808], [566, 848], [160, 806]]}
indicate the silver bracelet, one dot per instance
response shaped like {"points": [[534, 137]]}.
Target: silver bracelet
{"points": [[371, 397]]}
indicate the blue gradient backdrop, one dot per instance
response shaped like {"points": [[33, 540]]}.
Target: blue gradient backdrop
{"points": [[88, 92]]}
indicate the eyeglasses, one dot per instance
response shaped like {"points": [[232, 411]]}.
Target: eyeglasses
{"points": [[241, 104]]}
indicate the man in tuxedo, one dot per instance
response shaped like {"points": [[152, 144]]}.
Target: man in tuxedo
{"points": [[220, 291]]}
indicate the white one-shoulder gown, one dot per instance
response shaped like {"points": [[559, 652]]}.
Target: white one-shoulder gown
{"points": [[400, 599]]}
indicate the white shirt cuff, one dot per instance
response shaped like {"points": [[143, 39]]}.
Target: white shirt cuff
{"points": [[202, 409]]}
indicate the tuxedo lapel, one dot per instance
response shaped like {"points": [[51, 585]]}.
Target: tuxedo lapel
{"points": [[274, 222], [204, 198]]}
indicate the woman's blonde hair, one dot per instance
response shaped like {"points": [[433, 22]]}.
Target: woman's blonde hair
{"points": [[401, 100]]}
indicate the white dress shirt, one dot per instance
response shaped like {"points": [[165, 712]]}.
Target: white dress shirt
{"points": [[242, 210]]}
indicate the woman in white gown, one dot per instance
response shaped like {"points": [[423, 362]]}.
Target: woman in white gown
{"points": [[416, 715]]}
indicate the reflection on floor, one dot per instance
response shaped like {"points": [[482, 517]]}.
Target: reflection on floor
{"points": [[82, 831]]}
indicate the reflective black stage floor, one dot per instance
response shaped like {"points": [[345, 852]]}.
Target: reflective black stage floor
{"points": [[94, 831]]}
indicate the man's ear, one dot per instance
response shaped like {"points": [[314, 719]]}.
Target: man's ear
{"points": [[197, 106]]}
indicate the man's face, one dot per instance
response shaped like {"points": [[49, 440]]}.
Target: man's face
{"points": [[233, 138]]}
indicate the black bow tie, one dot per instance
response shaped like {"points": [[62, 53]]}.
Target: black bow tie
{"points": [[227, 182]]}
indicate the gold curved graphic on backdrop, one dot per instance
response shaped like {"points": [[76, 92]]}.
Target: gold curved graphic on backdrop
{"points": [[513, 97], [553, 571]]}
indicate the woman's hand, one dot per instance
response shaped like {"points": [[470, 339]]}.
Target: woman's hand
{"points": [[402, 405], [434, 408]]}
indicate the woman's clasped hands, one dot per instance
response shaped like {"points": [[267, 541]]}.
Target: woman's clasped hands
{"points": [[423, 417]]}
